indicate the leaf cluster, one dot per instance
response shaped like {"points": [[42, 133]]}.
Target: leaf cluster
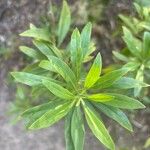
{"points": [[76, 93], [138, 23], [136, 56]]}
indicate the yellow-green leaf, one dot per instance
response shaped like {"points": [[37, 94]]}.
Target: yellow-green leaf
{"points": [[98, 128], [108, 79], [102, 97], [77, 129], [51, 116], [57, 90], [94, 72]]}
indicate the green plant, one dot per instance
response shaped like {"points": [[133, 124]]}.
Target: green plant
{"points": [[137, 56], [44, 39], [147, 143], [138, 23], [143, 2], [74, 92]]}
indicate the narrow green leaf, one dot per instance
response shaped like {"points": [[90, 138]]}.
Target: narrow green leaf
{"points": [[87, 59], [29, 79], [146, 45], [124, 102], [132, 65], [145, 25], [64, 22], [116, 114], [133, 44], [102, 97], [91, 49], [57, 65], [94, 72], [51, 116], [55, 50], [30, 119], [44, 49], [98, 128], [147, 143], [31, 52], [34, 113], [138, 9], [38, 33], [77, 129], [120, 56], [140, 78], [35, 69], [128, 83], [47, 106], [110, 78], [85, 38], [68, 137], [128, 22], [76, 51], [57, 90]]}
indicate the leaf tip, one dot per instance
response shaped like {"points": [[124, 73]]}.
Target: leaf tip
{"points": [[13, 74]]}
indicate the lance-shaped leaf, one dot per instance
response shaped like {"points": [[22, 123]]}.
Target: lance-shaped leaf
{"points": [[30, 119], [51, 116], [35, 69], [32, 26], [47, 106], [94, 72], [98, 128], [91, 49], [85, 38], [146, 45], [64, 22], [124, 102], [116, 114], [55, 50], [128, 83], [102, 97], [133, 44], [140, 78], [77, 129], [68, 137], [44, 49], [38, 33], [110, 78], [76, 51], [138, 8], [29, 79], [132, 65], [120, 56], [57, 90], [34, 113], [128, 22], [32, 53], [57, 65]]}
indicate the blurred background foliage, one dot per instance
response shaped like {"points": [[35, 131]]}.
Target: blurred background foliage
{"points": [[107, 17]]}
